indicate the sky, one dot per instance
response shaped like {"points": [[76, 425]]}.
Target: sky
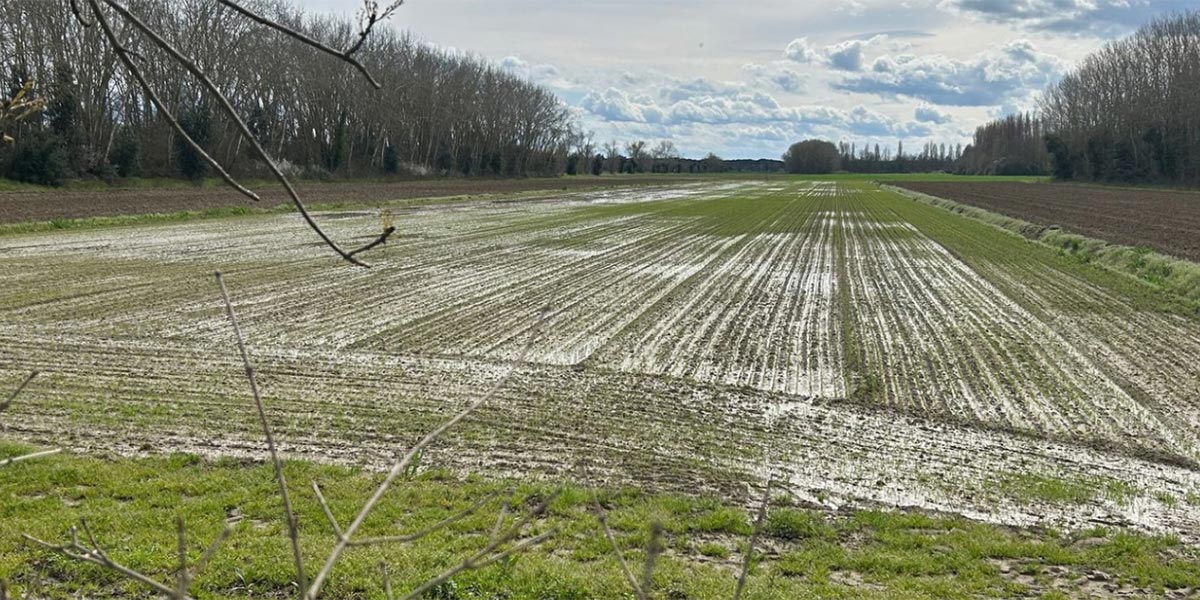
{"points": [[747, 78]]}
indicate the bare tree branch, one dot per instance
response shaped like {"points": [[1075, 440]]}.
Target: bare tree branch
{"points": [[25, 457], [94, 555], [387, 582], [125, 56], [210, 552], [293, 526], [402, 464], [440, 525], [479, 561], [182, 578], [20, 388], [370, 15], [382, 239], [654, 548], [3, 407], [284, 29], [758, 525], [612, 541], [492, 553], [236, 119], [333, 523]]}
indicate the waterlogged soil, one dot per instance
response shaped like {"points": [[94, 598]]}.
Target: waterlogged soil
{"points": [[861, 349], [52, 204], [1166, 221]]}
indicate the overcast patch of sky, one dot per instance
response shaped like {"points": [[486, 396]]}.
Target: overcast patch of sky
{"points": [[714, 76]]}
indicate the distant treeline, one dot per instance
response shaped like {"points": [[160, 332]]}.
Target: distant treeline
{"points": [[438, 112], [1127, 114], [637, 157], [1014, 145], [820, 156]]}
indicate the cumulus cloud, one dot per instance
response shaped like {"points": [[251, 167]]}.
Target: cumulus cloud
{"points": [[776, 75], [1074, 17], [615, 105], [930, 114], [801, 51], [1016, 70], [843, 56], [706, 103]]}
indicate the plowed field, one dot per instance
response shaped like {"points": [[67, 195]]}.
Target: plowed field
{"points": [[866, 348], [1165, 221]]}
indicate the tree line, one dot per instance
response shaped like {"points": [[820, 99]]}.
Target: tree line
{"points": [[1014, 145], [1126, 114], [820, 156], [437, 112]]}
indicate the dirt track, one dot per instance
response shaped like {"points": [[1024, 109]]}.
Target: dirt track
{"points": [[1163, 220], [20, 207]]}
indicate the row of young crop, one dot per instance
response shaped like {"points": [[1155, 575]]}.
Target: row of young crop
{"points": [[941, 338]]}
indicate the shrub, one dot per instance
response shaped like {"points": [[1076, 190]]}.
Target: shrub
{"points": [[197, 122], [39, 159], [126, 154], [391, 160]]}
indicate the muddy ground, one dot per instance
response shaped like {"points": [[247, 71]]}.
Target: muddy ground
{"points": [[862, 348], [20, 207], [1166, 221]]}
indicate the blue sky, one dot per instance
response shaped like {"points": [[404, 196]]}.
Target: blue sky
{"points": [[746, 78]]}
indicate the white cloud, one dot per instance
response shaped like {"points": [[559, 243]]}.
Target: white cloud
{"points": [[776, 75], [1016, 70], [615, 105], [843, 56], [930, 114], [801, 51]]}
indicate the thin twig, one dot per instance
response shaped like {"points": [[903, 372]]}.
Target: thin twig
{"points": [[297, 35], [17, 459], [20, 388], [210, 552], [500, 518], [293, 529], [371, 15], [387, 582], [612, 541], [491, 553], [758, 525], [333, 523], [654, 548], [182, 578], [412, 537], [479, 561], [237, 120], [125, 54], [77, 551], [399, 467], [382, 239]]}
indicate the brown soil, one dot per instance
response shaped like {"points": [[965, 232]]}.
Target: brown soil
{"points": [[19, 207], [1166, 221]]}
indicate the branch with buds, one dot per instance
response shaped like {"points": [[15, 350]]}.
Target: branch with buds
{"points": [[18, 108], [371, 15]]}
